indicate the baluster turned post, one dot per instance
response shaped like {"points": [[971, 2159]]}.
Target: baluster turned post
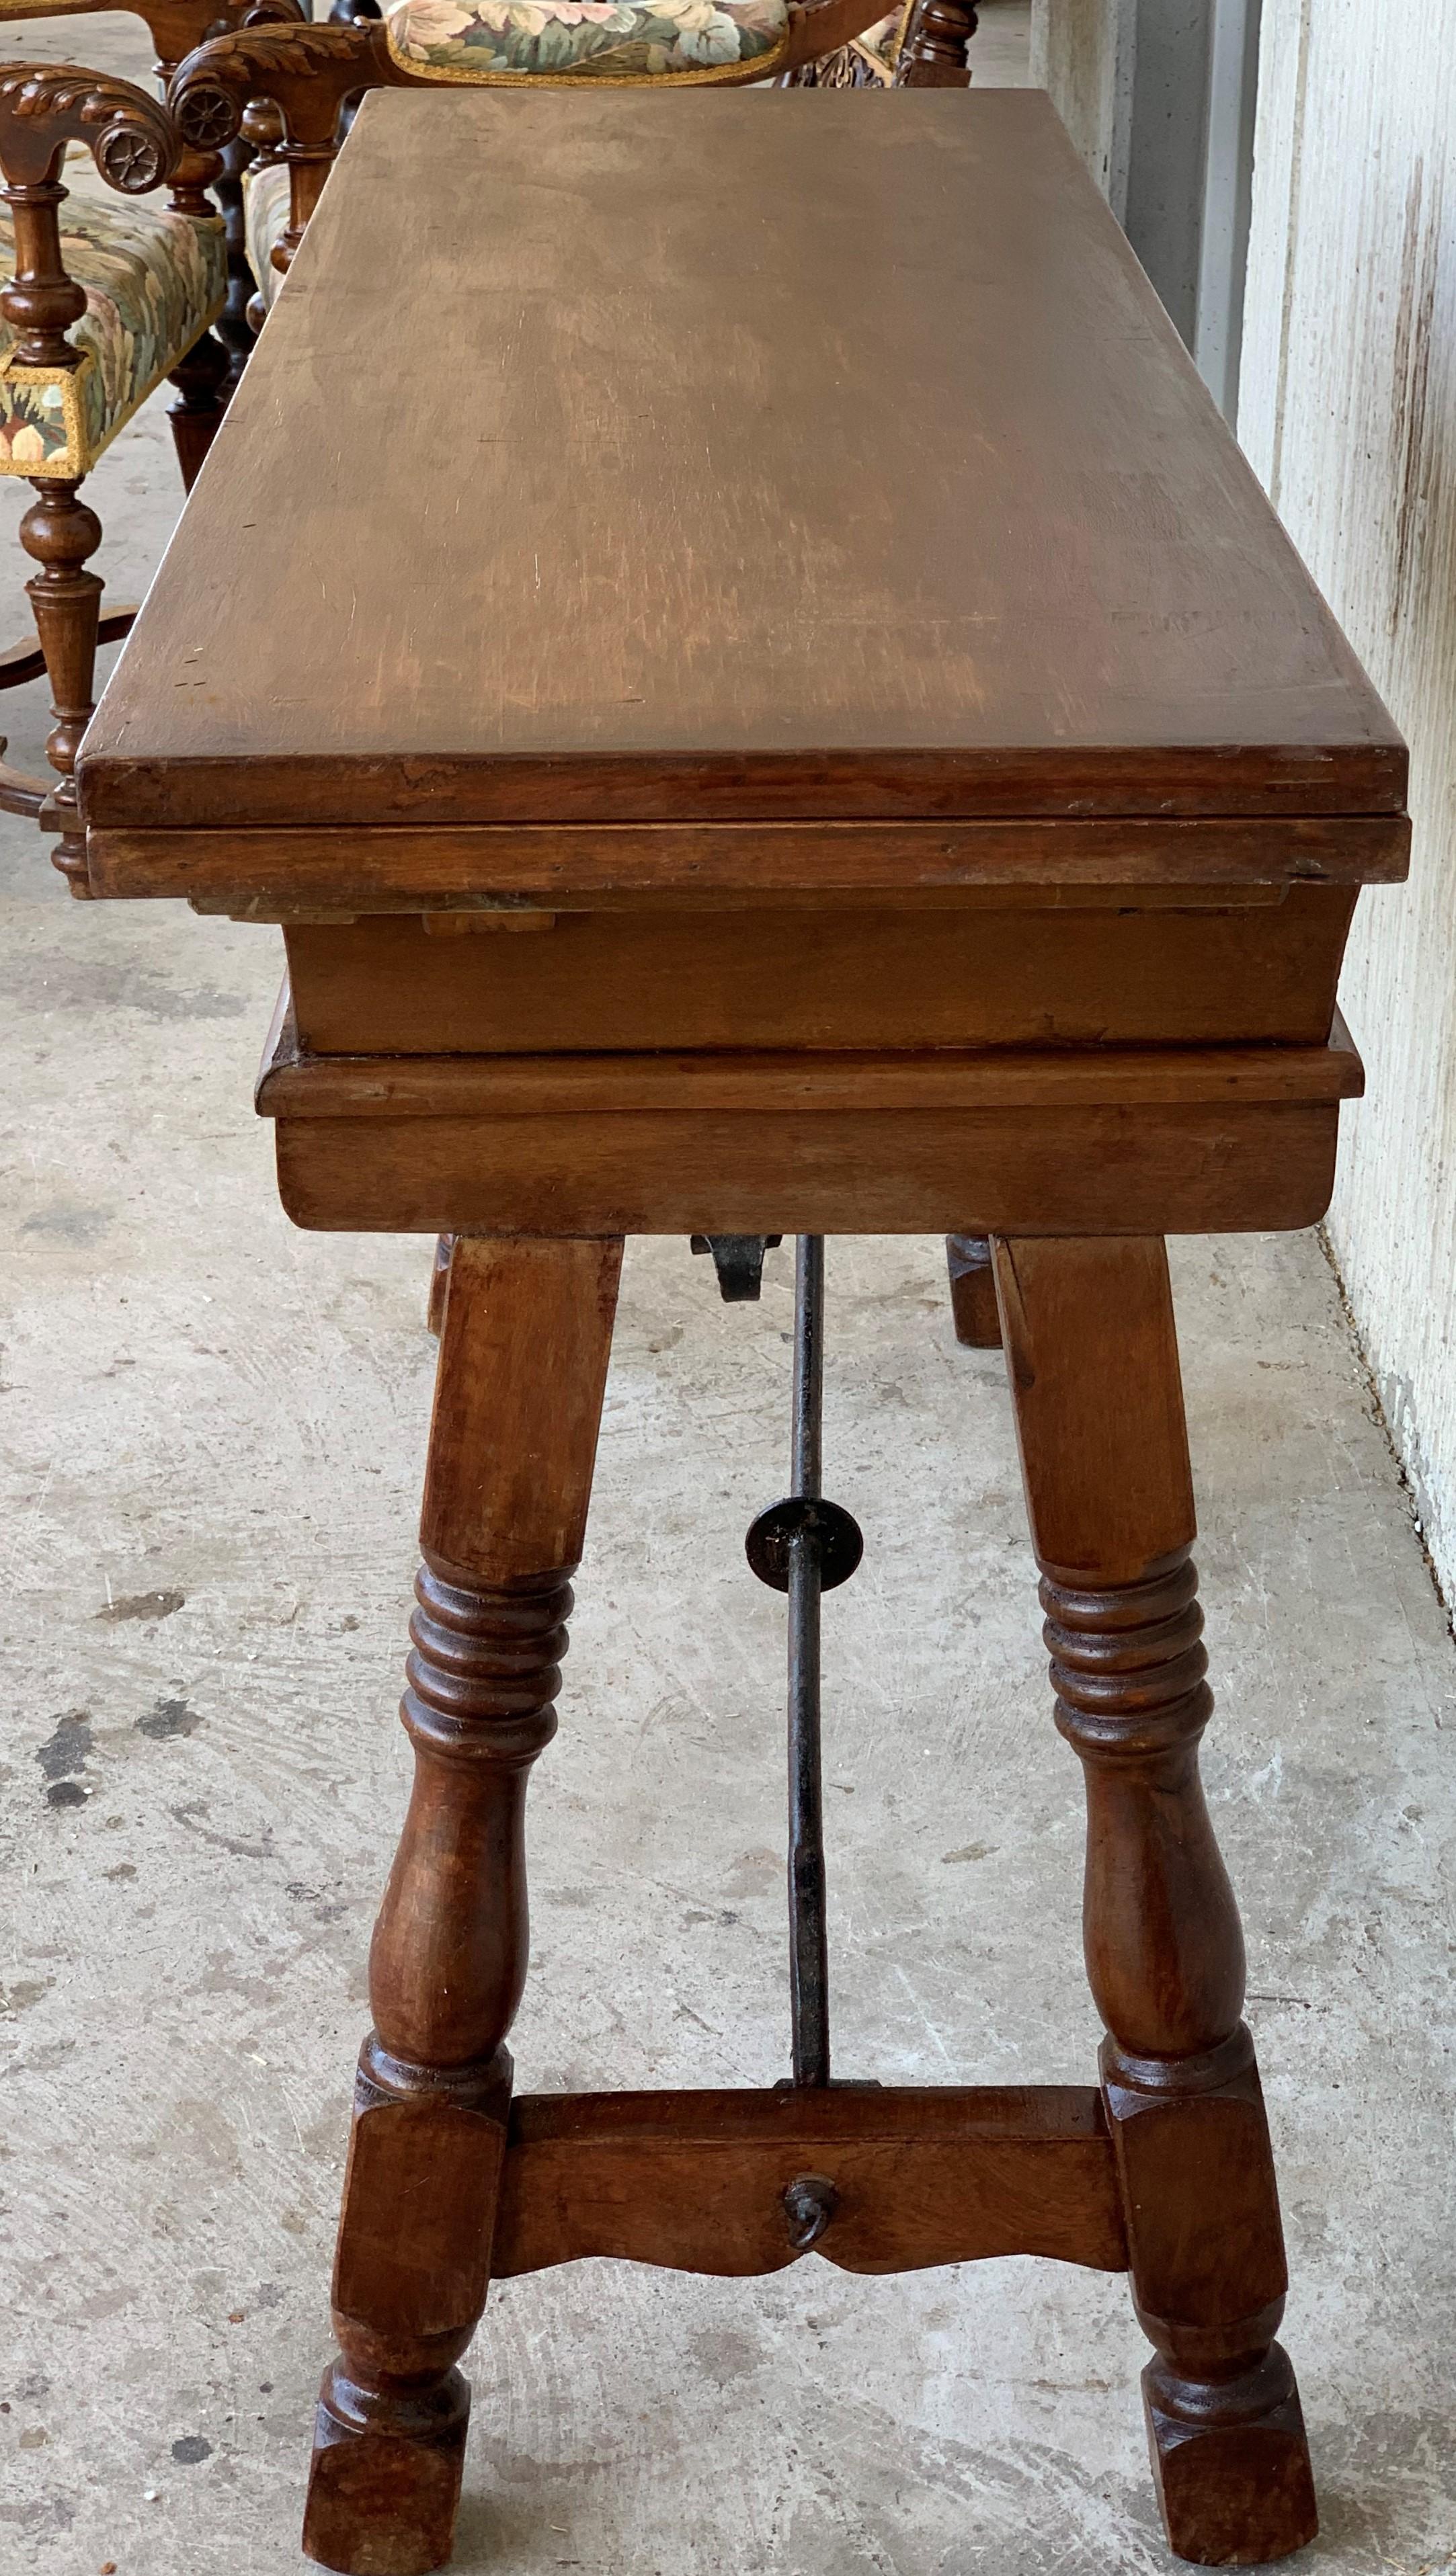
{"points": [[42, 108], [936, 50], [60, 532], [523, 1357], [1093, 1361]]}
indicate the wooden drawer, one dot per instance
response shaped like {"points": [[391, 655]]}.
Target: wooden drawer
{"points": [[1131, 968]]}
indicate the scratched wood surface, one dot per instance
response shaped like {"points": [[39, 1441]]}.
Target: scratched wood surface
{"points": [[808, 453]]}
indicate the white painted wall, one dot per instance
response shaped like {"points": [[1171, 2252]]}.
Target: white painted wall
{"points": [[1348, 411]]}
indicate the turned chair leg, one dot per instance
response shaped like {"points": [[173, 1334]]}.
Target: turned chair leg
{"points": [[972, 1292], [936, 50], [59, 533], [203, 382], [1093, 1362], [523, 1361], [233, 328]]}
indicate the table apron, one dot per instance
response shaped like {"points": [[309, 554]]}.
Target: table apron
{"points": [[1200, 1168]]}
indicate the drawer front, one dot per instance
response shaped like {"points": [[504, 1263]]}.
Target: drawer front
{"points": [[1038, 974]]}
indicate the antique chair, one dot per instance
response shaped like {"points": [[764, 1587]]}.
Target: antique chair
{"points": [[102, 302], [307, 76]]}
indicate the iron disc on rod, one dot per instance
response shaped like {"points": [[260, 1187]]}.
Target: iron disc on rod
{"points": [[838, 1539]]}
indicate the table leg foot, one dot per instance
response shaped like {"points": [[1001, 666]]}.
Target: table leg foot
{"points": [[1231, 2463], [410, 2283], [385, 2480], [1206, 2255]]}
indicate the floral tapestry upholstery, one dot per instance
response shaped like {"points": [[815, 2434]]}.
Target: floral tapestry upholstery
{"points": [[153, 281], [625, 40], [265, 221]]}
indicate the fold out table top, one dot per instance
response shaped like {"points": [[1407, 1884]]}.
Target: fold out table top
{"points": [[777, 544]]}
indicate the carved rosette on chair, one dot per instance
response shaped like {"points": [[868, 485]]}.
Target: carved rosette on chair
{"points": [[99, 308]]}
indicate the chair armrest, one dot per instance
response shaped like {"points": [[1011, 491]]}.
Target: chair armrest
{"points": [[175, 27], [135, 146], [44, 106], [308, 73]]}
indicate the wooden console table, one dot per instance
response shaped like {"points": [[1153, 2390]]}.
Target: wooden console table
{"points": [[771, 555]]}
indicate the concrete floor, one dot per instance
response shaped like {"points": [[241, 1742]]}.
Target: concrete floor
{"points": [[210, 1442]]}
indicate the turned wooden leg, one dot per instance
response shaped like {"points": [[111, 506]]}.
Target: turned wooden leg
{"points": [[60, 532], [1093, 1362], [523, 1361], [203, 382], [232, 326], [937, 45], [972, 1292]]}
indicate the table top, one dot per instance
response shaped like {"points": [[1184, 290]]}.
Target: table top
{"points": [[643, 458]]}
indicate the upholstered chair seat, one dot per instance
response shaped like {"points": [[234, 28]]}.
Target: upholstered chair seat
{"points": [[502, 41], [265, 221]]}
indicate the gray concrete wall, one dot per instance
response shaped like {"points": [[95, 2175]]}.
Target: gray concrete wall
{"points": [[1168, 150], [1082, 54], [1159, 97]]}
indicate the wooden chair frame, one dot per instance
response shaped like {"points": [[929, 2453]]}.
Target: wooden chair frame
{"points": [[311, 75], [136, 147]]}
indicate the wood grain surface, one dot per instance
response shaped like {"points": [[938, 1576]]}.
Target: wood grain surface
{"points": [[834, 979], [521, 1393], [274, 873], [1096, 1140], [696, 2180], [295, 1084], [1220, 1168], [744, 456]]}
